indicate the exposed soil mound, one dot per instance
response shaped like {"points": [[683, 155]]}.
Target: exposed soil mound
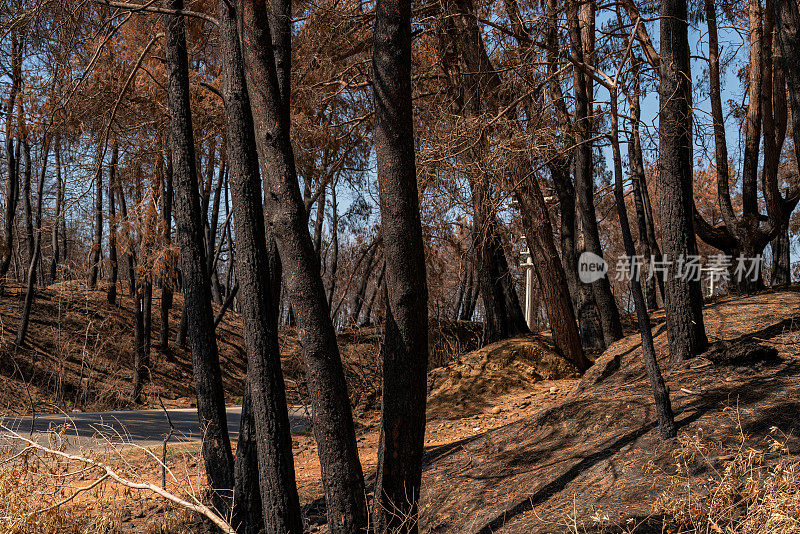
{"points": [[469, 385]]}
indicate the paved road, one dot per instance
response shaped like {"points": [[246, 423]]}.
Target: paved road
{"points": [[143, 427]]}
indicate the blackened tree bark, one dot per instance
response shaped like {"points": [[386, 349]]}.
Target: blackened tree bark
{"points": [[94, 255], [55, 242], [12, 151], [781, 261], [787, 22], [361, 292], [333, 420], [367, 320], [11, 197], [169, 271], [746, 235], [582, 298], [130, 257], [549, 271], [641, 196], [30, 293], [405, 347], [683, 299], [112, 226], [470, 297], [666, 419], [502, 310], [787, 25], [205, 358], [559, 166], [27, 203], [584, 174], [267, 423]]}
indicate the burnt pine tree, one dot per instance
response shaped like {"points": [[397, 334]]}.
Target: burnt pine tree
{"points": [[405, 345], [666, 418], [683, 302], [205, 358], [94, 261], [334, 429], [266, 424], [167, 276], [30, 292], [111, 295], [581, 32], [59, 215]]}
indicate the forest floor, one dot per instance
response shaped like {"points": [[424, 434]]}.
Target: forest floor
{"points": [[515, 441]]}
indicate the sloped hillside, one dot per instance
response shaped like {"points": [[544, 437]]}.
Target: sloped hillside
{"points": [[593, 461], [80, 354]]}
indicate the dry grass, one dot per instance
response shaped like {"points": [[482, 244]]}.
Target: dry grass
{"points": [[47, 493], [747, 489]]}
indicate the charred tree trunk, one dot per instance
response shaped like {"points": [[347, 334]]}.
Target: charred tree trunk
{"points": [[641, 197], [169, 271], [361, 292], [27, 203], [584, 176], [12, 196], [405, 347], [112, 226], [333, 421], [549, 271], [130, 258], [59, 215], [12, 157], [666, 419], [367, 320], [267, 448], [30, 293], [787, 22], [781, 263], [95, 254], [181, 335], [683, 299], [588, 320], [205, 358]]}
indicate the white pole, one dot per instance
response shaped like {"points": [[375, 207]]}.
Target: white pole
{"points": [[528, 266]]}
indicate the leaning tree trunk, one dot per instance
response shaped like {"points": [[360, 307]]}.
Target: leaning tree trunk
{"points": [[683, 299], [267, 446], [666, 419], [205, 358], [641, 197], [549, 272], [333, 420], [405, 347]]}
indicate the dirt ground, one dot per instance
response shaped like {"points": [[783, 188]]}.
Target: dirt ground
{"points": [[515, 442]]}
